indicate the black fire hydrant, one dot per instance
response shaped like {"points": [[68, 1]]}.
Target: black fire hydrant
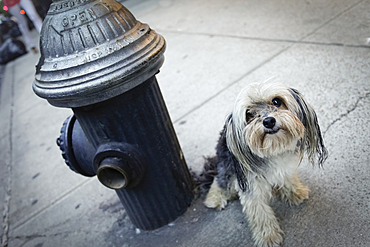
{"points": [[97, 59]]}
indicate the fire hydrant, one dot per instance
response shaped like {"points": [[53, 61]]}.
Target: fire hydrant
{"points": [[97, 59]]}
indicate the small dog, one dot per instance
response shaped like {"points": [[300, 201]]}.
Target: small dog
{"points": [[259, 150]]}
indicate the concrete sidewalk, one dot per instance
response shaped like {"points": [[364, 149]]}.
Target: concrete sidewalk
{"points": [[214, 48]]}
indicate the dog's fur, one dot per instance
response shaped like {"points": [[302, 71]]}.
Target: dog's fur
{"points": [[260, 148]]}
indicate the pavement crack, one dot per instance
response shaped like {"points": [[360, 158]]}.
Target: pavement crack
{"points": [[346, 113]]}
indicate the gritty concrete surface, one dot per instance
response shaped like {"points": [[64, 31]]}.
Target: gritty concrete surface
{"points": [[214, 48]]}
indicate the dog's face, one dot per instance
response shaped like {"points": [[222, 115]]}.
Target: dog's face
{"points": [[270, 119]]}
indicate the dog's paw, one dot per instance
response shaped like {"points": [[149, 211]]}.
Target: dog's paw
{"points": [[299, 195], [274, 240], [216, 197], [216, 201], [294, 196], [269, 237]]}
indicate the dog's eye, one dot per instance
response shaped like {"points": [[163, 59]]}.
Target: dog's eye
{"points": [[249, 115], [276, 102]]}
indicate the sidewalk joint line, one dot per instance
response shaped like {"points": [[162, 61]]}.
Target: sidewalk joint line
{"points": [[32, 216], [299, 41], [232, 83], [332, 19]]}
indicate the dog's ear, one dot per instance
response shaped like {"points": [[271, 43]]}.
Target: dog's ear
{"points": [[237, 145], [312, 142]]}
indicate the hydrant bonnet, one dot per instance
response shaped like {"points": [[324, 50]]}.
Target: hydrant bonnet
{"points": [[92, 51]]}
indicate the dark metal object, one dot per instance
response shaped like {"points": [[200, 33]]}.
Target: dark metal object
{"points": [[99, 60], [92, 51]]}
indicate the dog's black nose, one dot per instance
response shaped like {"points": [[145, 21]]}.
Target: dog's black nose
{"points": [[269, 122]]}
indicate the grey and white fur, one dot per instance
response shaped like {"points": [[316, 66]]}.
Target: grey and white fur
{"points": [[265, 138]]}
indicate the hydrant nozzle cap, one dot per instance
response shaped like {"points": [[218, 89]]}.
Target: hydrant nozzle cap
{"points": [[92, 51]]}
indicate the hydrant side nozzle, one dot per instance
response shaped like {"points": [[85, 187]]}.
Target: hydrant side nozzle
{"points": [[112, 174], [119, 165]]}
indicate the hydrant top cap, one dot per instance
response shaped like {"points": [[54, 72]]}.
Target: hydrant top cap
{"points": [[93, 50]]}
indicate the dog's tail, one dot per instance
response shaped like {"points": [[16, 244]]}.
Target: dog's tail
{"points": [[205, 178]]}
